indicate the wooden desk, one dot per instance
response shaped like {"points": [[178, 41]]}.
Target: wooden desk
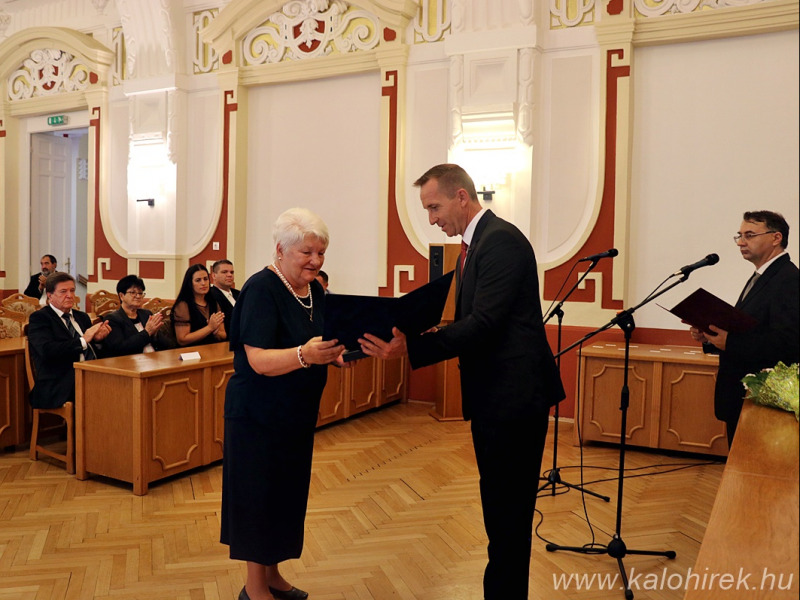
{"points": [[144, 417], [13, 390], [671, 397], [753, 528]]}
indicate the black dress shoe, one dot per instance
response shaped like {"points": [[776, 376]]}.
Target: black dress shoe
{"points": [[292, 594], [243, 595]]}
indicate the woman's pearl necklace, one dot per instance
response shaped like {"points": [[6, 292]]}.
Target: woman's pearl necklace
{"points": [[310, 307]]}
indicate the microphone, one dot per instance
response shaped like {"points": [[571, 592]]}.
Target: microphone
{"points": [[607, 254], [711, 259]]}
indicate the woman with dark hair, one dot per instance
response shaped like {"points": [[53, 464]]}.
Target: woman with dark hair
{"points": [[133, 329], [196, 317]]}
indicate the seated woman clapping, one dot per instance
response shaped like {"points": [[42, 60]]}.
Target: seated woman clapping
{"points": [[195, 316], [133, 329]]}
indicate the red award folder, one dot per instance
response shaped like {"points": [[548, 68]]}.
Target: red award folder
{"points": [[701, 309]]}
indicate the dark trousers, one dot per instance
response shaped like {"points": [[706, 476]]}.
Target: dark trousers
{"points": [[509, 456]]}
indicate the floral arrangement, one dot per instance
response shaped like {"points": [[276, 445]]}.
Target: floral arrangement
{"points": [[777, 387]]}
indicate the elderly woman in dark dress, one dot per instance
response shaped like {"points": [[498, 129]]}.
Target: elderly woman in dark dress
{"points": [[133, 328], [271, 406], [196, 318]]}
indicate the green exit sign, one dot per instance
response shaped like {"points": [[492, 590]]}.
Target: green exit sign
{"points": [[57, 120]]}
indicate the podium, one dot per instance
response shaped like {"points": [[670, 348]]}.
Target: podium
{"points": [[447, 397]]}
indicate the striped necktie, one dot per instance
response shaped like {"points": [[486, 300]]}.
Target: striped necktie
{"points": [[87, 354], [751, 282], [464, 247]]}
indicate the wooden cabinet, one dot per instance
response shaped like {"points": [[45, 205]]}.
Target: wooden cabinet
{"points": [[144, 417], [14, 424], [671, 397], [365, 384]]}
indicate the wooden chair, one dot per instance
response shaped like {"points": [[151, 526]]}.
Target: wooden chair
{"points": [[11, 323], [156, 304], [21, 303], [106, 306], [66, 412], [94, 300]]}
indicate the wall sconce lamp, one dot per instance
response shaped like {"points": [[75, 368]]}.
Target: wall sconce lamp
{"points": [[150, 201], [486, 194]]}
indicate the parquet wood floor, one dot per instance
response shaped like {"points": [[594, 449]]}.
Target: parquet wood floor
{"points": [[394, 513]]}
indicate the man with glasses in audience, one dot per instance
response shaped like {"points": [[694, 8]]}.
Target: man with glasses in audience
{"points": [[771, 296]]}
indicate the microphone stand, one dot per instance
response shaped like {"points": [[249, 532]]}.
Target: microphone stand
{"points": [[616, 548], [554, 477]]}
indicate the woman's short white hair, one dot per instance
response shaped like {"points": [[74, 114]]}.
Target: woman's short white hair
{"points": [[292, 227]]}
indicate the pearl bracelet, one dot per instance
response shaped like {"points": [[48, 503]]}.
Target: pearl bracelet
{"points": [[303, 363]]}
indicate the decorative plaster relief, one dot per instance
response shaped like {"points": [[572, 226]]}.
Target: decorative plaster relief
{"points": [[100, 5], [205, 59], [432, 21], [47, 72], [118, 74], [571, 13], [308, 29], [656, 8], [5, 21]]}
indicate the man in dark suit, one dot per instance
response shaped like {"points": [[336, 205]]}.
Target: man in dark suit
{"points": [[35, 287], [223, 290], [509, 378], [771, 296], [59, 336]]}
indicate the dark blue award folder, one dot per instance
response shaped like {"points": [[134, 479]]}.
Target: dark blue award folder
{"points": [[349, 317]]}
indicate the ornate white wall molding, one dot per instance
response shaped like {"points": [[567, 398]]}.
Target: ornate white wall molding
{"points": [[205, 58], [456, 98], [118, 73], [305, 29], [432, 21], [100, 6], [5, 21], [571, 13], [656, 8], [152, 40], [47, 72], [526, 86]]}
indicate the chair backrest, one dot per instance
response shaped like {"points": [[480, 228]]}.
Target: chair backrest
{"points": [[156, 304], [94, 300], [20, 303], [30, 370], [11, 323], [107, 306]]}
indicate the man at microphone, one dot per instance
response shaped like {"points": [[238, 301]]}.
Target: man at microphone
{"points": [[36, 286], [771, 296]]}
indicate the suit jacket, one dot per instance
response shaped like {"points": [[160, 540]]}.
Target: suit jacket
{"points": [[124, 338], [53, 351], [507, 368], [33, 287], [775, 304], [224, 304]]}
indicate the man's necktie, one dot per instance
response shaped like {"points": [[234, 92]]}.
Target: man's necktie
{"points": [[750, 284], [87, 354], [464, 247]]}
